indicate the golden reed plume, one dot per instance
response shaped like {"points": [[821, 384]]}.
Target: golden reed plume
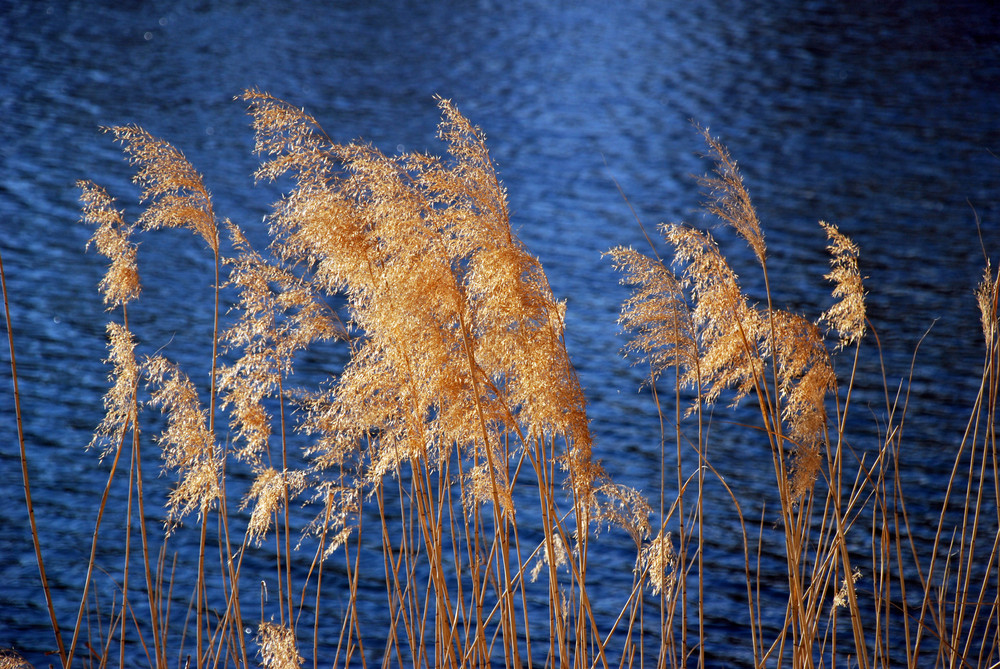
{"points": [[702, 323]]}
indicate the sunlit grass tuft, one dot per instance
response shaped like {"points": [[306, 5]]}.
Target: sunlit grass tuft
{"points": [[450, 461]]}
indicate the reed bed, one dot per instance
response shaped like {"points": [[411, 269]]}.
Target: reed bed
{"points": [[449, 465]]}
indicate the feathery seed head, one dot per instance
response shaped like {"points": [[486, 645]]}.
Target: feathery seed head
{"points": [[277, 647], [728, 197], [270, 490], [460, 337], [847, 316], [657, 314], [702, 322], [113, 239], [280, 314], [187, 445], [554, 558], [841, 598], [986, 298], [625, 507], [805, 376], [659, 562], [730, 329], [120, 400], [174, 189], [10, 659]]}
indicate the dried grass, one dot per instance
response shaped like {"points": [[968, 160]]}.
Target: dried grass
{"points": [[458, 403]]}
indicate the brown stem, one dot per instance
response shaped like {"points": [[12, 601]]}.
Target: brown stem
{"points": [[24, 476]]}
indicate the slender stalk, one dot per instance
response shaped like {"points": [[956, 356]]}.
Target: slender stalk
{"points": [[128, 555], [201, 596], [287, 502], [93, 550], [24, 476], [152, 592]]}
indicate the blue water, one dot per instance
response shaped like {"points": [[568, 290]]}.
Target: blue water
{"points": [[882, 119]]}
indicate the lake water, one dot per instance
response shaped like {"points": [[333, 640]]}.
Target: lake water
{"points": [[879, 117]]}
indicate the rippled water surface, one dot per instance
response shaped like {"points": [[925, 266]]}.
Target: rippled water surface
{"points": [[881, 119]]}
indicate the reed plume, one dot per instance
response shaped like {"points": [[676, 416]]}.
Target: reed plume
{"points": [[986, 299], [174, 190], [703, 323], [728, 198], [120, 286], [120, 400], [277, 647], [730, 330], [847, 315], [658, 561], [425, 253], [113, 239], [187, 444]]}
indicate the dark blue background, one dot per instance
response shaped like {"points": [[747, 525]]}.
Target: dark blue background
{"points": [[879, 117]]}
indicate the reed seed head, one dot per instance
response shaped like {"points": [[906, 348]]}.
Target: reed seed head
{"points": [[730, 329], [11, 659], [271, 490], [186, 444], [276, 647], [657, 313], [281, 313], [847, 316], [175, 191], [113, 239], [728, 197], [986, 298], [458, 340], [658, 561], [701, 322], [120, 402]]}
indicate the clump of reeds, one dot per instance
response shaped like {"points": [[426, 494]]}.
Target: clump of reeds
{"points": [[455, 439], [701, 323], [457, 394], [692, 317]]}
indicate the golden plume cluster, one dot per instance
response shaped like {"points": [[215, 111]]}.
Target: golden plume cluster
{"points": [[448, 456], [702, 323]]}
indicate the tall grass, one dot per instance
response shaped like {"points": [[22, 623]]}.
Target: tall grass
{"points": [[454, 447]]}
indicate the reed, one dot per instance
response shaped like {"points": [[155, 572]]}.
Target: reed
{"points": [[453, 447]]}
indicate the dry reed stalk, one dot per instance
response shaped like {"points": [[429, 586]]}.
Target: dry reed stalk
{"points": [[25, 480], [966, 618], [177, 197], [701, 324]]}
